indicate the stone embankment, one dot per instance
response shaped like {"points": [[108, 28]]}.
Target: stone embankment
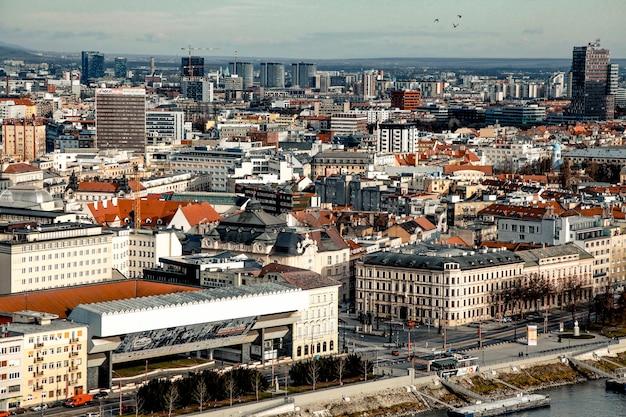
{"points": [[492, 383]]}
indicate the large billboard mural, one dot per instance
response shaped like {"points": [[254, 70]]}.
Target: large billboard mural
{"points": [[181, 338]]}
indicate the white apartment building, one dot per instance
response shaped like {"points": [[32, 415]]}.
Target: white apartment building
{"points": [[11, 373], [54, 255], [398, 137], [165, 124], [146, 247], [512, 155], [53, 362], [343, 124]]}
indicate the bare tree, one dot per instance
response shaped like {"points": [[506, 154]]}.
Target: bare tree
{"points": [[171, 397], [341, 368], [257, 382], [366, 366], [231, 386], [137, 402], [313, 372], [200, 392]]}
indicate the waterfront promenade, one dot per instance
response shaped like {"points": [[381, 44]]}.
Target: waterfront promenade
{"points": [[398, 375]]}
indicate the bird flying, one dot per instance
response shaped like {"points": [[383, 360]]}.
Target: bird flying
{"points": [[459, 16], [455, 25], [436, 20]]}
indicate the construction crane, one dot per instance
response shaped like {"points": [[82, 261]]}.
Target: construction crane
{"points": [[189, 49]]}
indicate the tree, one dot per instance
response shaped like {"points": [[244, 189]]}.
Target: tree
{"points": [[230, 384], [313, 368], [200, 392], [341, 368], [366, 367], [257, 382], [171, 397]]}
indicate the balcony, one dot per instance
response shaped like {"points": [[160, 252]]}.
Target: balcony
{"points": [[39, 373], [38, 388], [74, 340], [73, 353], [39, 344], [73, 368], [39, 359]]}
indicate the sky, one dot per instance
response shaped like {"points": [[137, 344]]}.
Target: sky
{"points": [[317, 29]]}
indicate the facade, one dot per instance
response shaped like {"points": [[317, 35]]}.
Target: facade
{"points": [[197, 88], [398, 137], [244, 324], [594, 82], [245, 71], [92, 66], [53, 255], [12, 371], [147, 247], [272, 75], [165, 123], [121, 69], [519, 116], [192, 66], [405, 99], [513, 155], [339, 162], [436, 286], [303, 74], [121, 118], [53, 361], [23, 139], [343, 124]]}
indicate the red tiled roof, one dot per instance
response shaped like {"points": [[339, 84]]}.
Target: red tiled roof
{"points": [[20, 167], [298, 277], [455, 240], [61, 301], [104, 186], [200, 212], [425, 224], [487, 169], [149, 209]]}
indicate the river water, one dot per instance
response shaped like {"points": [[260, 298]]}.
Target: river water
{"points": [[588, 399]]}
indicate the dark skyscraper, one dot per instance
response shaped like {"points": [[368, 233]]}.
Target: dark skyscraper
{"points": [[272, 75], [303, 74], [192, 66], [120, 67], [594, 82], [121, 118], [92, 66]]}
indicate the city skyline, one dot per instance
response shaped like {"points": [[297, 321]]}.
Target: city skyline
{"points": [[320, 30]]}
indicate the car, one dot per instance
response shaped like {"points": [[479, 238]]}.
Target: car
{"points": [[101, 394], [4, 414], [395, 352], [92, 415], [39, 407], [19, 410]]}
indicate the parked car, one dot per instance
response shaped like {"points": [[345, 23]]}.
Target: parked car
{"points": [[395, 352], [39, 407], [19, 410], [4, 414]]}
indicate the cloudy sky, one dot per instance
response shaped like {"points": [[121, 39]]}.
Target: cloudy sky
{"points": [[318, 28]]}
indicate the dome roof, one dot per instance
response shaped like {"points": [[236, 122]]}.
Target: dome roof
{"points": [[26, 194]]}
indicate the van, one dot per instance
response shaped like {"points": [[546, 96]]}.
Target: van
{"points": [[78, 400]]}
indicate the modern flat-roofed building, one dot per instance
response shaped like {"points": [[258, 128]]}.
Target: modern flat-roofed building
{"points": [[23, 139], [53, 255], [121, 118]]}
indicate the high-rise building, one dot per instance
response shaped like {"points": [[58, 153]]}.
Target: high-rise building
{"points": [[92, 66], [192, 66], [121, 118], [120, 67], [197, 88], [303, 74], [369, 84], [594, 82], [405, 99], [244, 70], [24, 139], [272, 75]]}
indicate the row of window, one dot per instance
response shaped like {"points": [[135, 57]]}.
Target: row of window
{"points": [[321, 347]]}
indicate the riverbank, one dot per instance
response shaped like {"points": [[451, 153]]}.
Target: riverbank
{"points": [[492, 382]]}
